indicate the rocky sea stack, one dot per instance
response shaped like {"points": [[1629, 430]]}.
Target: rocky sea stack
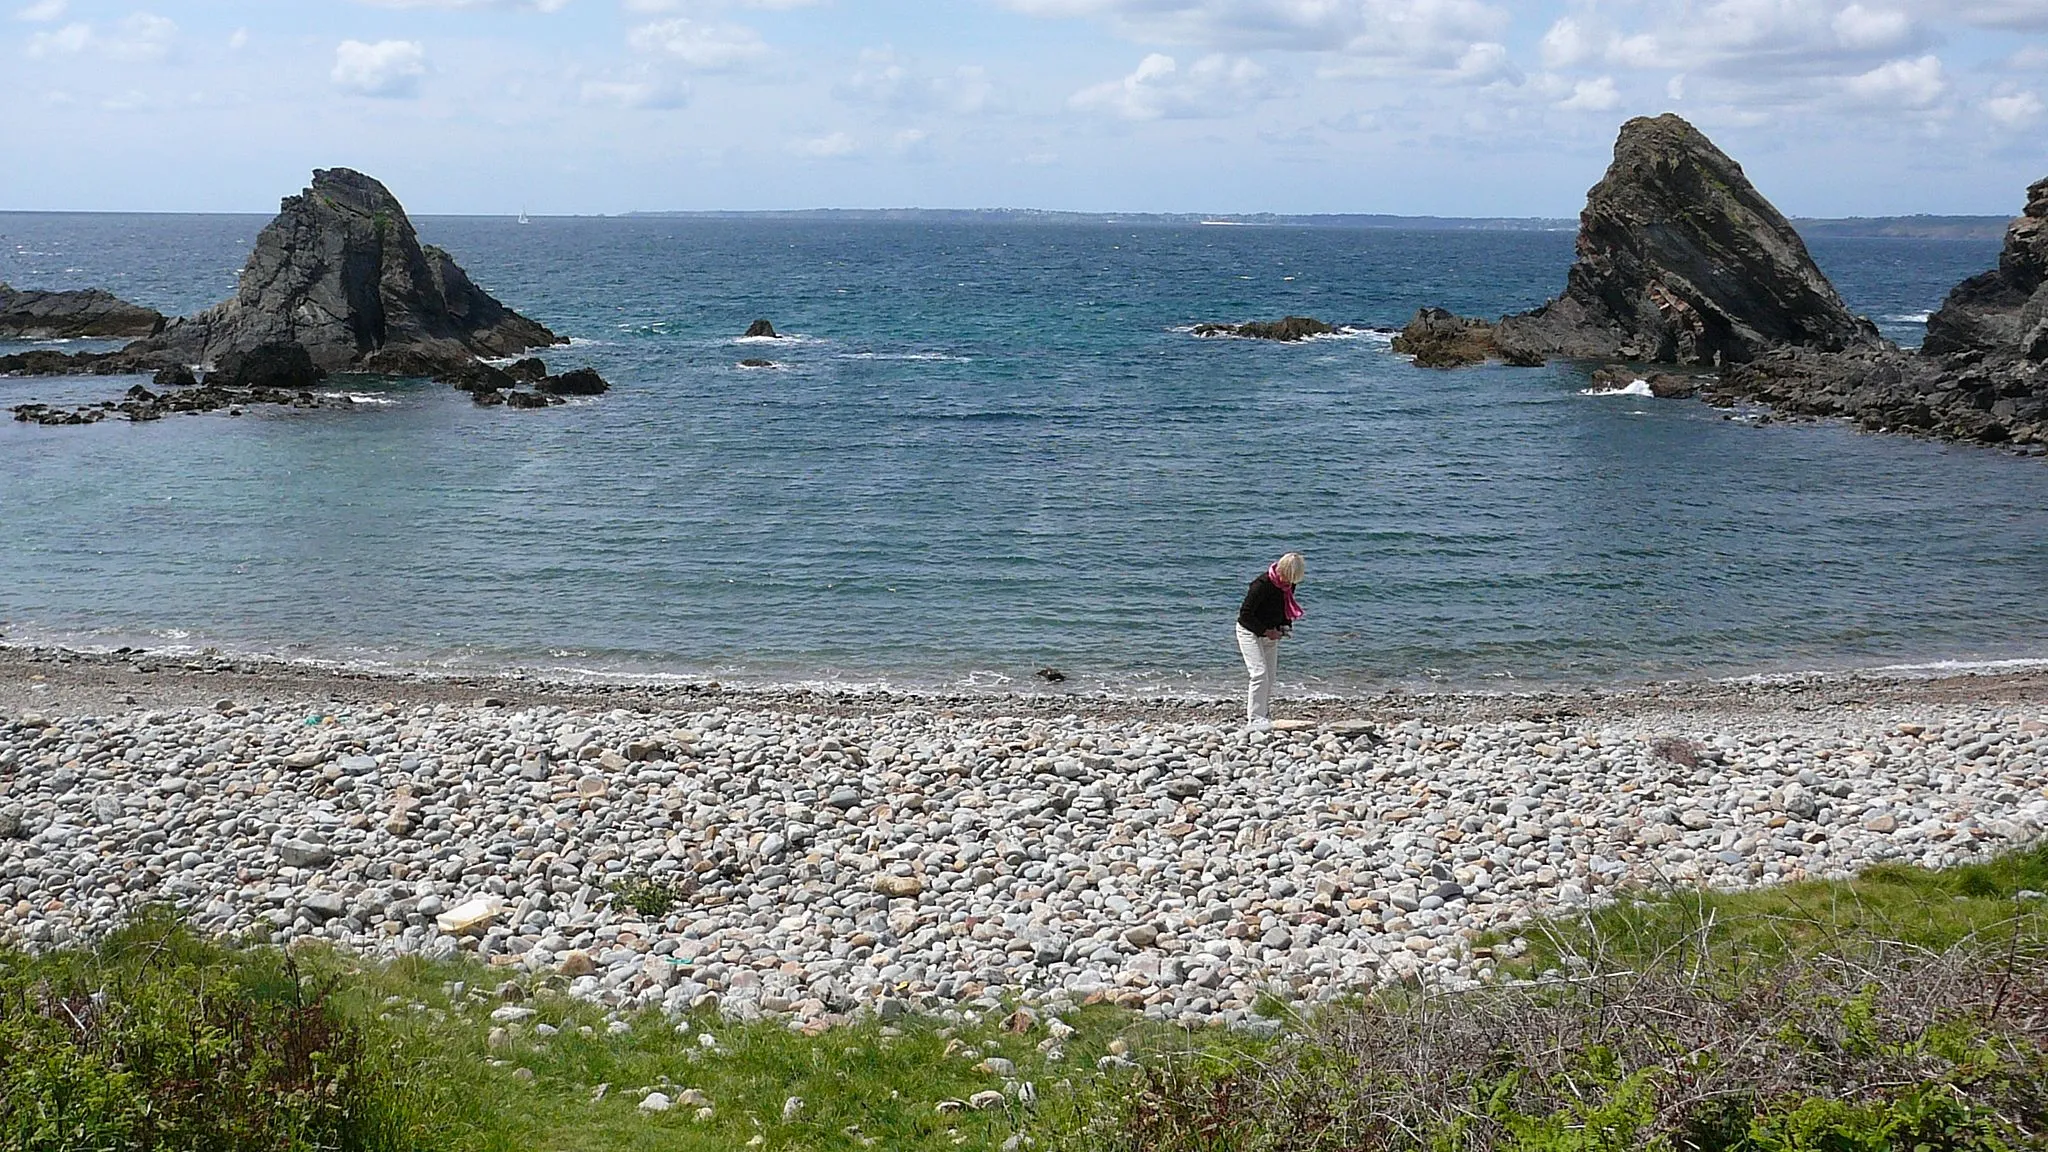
{"points": [[1682, 261], [341, 273]]}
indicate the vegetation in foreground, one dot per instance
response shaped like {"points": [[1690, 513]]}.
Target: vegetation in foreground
{"points": [[1904, 1010]]}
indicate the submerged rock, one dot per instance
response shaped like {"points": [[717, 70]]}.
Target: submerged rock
{"points": [[1682, 261], [341, 273], [30, 314]]}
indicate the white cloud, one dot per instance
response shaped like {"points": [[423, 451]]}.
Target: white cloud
{"points": [[651, 93], [139, 38], [238, 40], [1859, 28], [2017, 111], [705, 47], [68, 40], [2021, 14], [652, 6], [836, 145], [1414, 34], [1908, 83], [388, 68], [1566, 45], [43, 11], [508, 5], [885, 80], [1598, 95], [1215, 85]]}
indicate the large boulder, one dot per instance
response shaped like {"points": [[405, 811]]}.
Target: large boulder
{"points": [[1682, 261], [2005, 309], [38, 315], [282, 365], [341, 273]]}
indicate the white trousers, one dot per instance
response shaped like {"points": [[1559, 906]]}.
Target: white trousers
{"points": [[1262, 661]]}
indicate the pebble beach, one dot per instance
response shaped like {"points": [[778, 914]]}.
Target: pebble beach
{"points": [[814, 857]]}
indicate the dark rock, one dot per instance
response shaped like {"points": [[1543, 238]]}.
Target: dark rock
{"points": [[1667, 386], [1438, 339], [414, 363], [38, 315], [580, 382], [527, 371], [476, 376], [756, 362], [138, 392], [1287, 328], [1051, 675], [280, 365], [1977, 379], [1682, 261], [486, 397], [174, 376], [530, 400], [341, 273], [2003, 310], [761, 328]]}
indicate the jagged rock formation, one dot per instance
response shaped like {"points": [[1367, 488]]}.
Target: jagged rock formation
{"points": [[1982, 374], [759, 329], [1287, 329], [1682, 261], [341, 273], [2003, 311], [27, 314]]}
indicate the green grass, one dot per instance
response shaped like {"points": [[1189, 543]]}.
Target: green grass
{"points": [[1917, 907], [398, 1055], [1889, 1011]]}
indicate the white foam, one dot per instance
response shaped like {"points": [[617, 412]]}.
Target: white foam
{"points": [[780, 338], [770, 366], [361, 398], [1632, 388], [916, 357], [1910, 318]]}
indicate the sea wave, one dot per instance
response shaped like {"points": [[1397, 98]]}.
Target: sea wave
{"points": [[361, 398], [783, 338], [913, 357], [1909, 318], [1632, 388]]}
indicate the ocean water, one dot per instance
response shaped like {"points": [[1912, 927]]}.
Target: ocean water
{"points": [[985, 449]]}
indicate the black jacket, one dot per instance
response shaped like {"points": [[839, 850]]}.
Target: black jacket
{"points": [[1265, 606]]}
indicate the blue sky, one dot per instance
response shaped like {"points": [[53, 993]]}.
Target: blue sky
{"points": [[1454, 107]]}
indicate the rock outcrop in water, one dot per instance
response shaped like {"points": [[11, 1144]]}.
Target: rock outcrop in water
{"points": [[27, 314], [1682, 261], [760, 329], [1982, 374], [341, 274], [1286, 329]]}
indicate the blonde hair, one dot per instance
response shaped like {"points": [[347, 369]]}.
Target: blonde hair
{"points": [[1290, 567]]}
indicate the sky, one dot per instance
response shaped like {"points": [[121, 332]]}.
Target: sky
{"points": [[1443, 107]]}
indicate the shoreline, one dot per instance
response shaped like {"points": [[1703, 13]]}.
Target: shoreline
{"points": [[36, 675]]}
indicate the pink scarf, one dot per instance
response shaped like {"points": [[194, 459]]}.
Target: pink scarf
{"points": [[1294, 611]]}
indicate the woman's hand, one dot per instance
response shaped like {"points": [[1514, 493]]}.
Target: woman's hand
{"points": [[1274, 633]]}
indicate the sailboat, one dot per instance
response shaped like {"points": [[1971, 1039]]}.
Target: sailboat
{"points": [[522, 217]]}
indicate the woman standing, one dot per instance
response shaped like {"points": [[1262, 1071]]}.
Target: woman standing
{"points": [[1268, 613]]}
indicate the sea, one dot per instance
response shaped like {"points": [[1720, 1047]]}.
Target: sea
{"points": [[987, 449]]}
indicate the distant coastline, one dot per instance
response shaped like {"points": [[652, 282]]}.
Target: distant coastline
{"points": [[1922, 227], [1845, 228]]}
